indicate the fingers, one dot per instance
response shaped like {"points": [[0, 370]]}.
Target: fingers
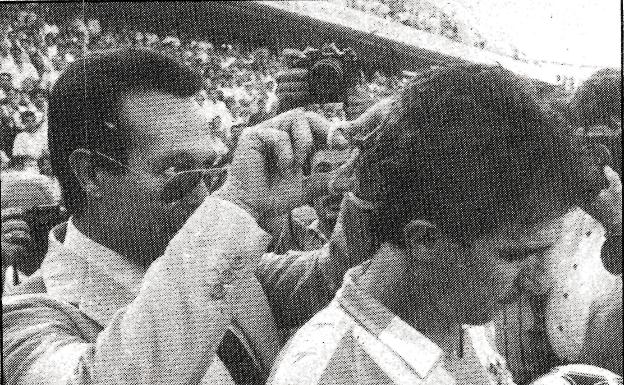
{"points": [[11, 213], [278, 146], [289, 87], [358, 101], [343, 180], [292, 89], [316, 185], [303, 141], [320, 128], [369, 120]]}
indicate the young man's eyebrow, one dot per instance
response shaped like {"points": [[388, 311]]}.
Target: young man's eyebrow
{"points": [[519, 252]]}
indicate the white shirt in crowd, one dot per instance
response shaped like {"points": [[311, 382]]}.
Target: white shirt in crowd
{"points": [[18, 73], [32, 145]]}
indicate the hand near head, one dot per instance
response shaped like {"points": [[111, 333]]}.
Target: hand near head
{"points": [[266, 174]]}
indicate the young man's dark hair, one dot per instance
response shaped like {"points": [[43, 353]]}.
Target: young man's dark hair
{"points": [[599, 99], [464, 147], [88, 96]]}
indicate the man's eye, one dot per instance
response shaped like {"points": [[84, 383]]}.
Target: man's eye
{"points": [[173, 170], [516, 255]]}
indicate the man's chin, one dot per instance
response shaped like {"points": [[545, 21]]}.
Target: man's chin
{"points": [[178, 216]]}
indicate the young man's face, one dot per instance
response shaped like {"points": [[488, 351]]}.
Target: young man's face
{"points": [[474, 282], [171, 135]]}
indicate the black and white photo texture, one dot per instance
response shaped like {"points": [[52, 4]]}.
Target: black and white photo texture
{"points": [[344, 192]]}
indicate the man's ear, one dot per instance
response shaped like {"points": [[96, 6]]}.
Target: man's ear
{"points": [[420, 238], [83, 168]]}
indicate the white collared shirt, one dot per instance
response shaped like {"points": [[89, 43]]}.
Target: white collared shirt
{"points": [[356, 340], [92, 276]]}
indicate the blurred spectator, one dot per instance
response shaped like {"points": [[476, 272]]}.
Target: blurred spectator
{"points": [[32, 143], [261, 114], [19, 66], [4, 160]]}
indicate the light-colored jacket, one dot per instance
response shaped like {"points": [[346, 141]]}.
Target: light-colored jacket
{"points": [[170, 333]]}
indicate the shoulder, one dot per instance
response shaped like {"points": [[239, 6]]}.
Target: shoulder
{"points": [[310, 350], [29, 304]]}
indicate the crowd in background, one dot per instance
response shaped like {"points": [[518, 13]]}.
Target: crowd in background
{"points": [[433, 18], [239, 85]]}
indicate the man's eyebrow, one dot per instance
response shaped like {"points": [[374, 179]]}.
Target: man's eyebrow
{"points": [[185, 159], [521, 252]]}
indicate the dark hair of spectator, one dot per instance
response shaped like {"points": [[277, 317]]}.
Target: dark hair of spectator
{"points": [[464, 147], [599, 99], [26, 114], [90, 92]]}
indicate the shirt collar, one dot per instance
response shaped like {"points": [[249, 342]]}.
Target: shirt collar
{"points": [[413, 348], [81, 271]]}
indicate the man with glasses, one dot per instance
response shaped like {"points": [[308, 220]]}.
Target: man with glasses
{"points": [[458, 200], [152, 281]]}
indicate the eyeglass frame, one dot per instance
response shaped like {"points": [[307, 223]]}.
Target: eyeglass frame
{"points": [[204, 171]]}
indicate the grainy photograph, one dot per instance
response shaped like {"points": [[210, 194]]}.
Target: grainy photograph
{"points": [[343, 192]]}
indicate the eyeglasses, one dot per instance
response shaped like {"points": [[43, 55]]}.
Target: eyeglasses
{"points": [[183, 182]]}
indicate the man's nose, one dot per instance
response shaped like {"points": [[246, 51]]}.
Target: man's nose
{"points": [[533, 276]]}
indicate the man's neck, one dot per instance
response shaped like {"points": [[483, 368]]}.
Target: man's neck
{"points": [[97, 231], [390, 280]]}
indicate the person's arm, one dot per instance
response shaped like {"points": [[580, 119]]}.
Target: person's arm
{"points": [[168, 335], [299, 284]]}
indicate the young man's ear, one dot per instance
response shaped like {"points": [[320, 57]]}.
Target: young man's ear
{"points": [[82, 166], [420, 238]]}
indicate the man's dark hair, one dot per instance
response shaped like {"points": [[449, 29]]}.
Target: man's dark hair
{"points": [[599, 99], [463, 147], [90, 92]]}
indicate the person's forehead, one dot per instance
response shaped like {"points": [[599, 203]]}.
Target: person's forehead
{"points": [[164, 124], [542, 233]]}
